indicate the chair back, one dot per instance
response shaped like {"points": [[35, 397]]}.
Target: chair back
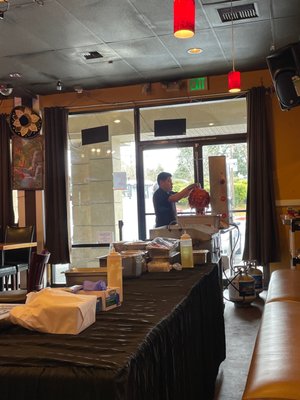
{"points": [[14, 234], [38, 263]]}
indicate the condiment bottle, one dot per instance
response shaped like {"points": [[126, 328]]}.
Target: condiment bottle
{"points": [[186, 251], [114, 271]]}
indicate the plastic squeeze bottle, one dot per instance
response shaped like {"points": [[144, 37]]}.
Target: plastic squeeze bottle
{"points": [[114, 271], [186, 251]]}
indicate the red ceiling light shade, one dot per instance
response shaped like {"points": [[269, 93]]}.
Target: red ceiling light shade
{"points": [[234, 77], [184, 18], [234, 81]]}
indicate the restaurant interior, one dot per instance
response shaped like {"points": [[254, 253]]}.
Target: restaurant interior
{"points": [[97, 98]]}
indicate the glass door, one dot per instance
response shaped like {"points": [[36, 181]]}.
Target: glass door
{"points": [[178, 161], [190, 164], [183, 154]]}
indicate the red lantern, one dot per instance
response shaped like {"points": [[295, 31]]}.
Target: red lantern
{"points": [[234, 81], [184, 18]]}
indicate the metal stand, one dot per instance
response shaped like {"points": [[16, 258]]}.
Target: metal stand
{"points": [[294, 224]]}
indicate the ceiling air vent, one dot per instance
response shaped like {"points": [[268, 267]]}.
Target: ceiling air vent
{"points": [[238, 13], [92, 55]]}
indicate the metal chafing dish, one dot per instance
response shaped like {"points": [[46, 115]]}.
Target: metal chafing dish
{"points": [[204, 236]]}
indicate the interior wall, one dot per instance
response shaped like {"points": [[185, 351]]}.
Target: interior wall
{"points": [[129, 96], [286, 134], [286, 131]]}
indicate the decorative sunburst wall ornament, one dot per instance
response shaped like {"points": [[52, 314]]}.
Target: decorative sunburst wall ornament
{"points": [[25, 122]]}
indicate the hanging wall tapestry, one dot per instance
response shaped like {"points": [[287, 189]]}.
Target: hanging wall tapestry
{"points": [[27, 149], [27, 163]]}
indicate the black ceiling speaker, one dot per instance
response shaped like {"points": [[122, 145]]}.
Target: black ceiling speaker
{"points": [[284, 66], [94, 135], [170, 127], [285, 89]]}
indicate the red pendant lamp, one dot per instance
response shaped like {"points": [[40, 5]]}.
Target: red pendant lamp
{"points": [[184, 18], [234, 77], [234, 81]]}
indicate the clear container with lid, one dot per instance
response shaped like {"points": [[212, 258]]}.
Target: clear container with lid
{"points": [[186, 251]]}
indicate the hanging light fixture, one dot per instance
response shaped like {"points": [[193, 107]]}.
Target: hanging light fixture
{"points": [[234, 81], [234, 77], [184, 18]]}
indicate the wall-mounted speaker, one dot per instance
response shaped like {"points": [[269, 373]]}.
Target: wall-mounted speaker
{"points": [[94, 135], [284, 66], [170, 127]]}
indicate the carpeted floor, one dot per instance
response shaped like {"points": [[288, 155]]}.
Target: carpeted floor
{"points": [[241, 325]]}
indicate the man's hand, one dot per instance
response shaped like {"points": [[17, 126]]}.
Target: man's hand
{"points": [[192, 186], [183, 193]]}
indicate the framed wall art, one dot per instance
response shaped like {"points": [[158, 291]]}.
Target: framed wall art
{"points": [[28, 163]]}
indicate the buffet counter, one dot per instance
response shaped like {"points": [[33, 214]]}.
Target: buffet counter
{"points": [[166, 341]]}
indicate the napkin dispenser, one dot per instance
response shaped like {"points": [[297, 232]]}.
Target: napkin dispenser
{"points": [[106, 299]]}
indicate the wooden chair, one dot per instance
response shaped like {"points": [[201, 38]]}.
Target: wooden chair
{"points": [[35, 279], [20, 258]]}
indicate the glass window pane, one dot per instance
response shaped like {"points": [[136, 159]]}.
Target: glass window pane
{"points": [[102, 185], [211, 118]]}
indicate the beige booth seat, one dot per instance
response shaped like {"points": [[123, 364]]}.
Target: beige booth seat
{"points": [[284, 286], [275, 366]]}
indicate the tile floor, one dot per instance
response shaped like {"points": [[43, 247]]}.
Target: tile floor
{"points": [[241, 325]]}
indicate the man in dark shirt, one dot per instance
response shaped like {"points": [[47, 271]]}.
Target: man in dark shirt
{"points": [[164, 199]]}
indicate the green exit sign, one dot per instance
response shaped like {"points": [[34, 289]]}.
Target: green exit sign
{"points": [[198, 84]]}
